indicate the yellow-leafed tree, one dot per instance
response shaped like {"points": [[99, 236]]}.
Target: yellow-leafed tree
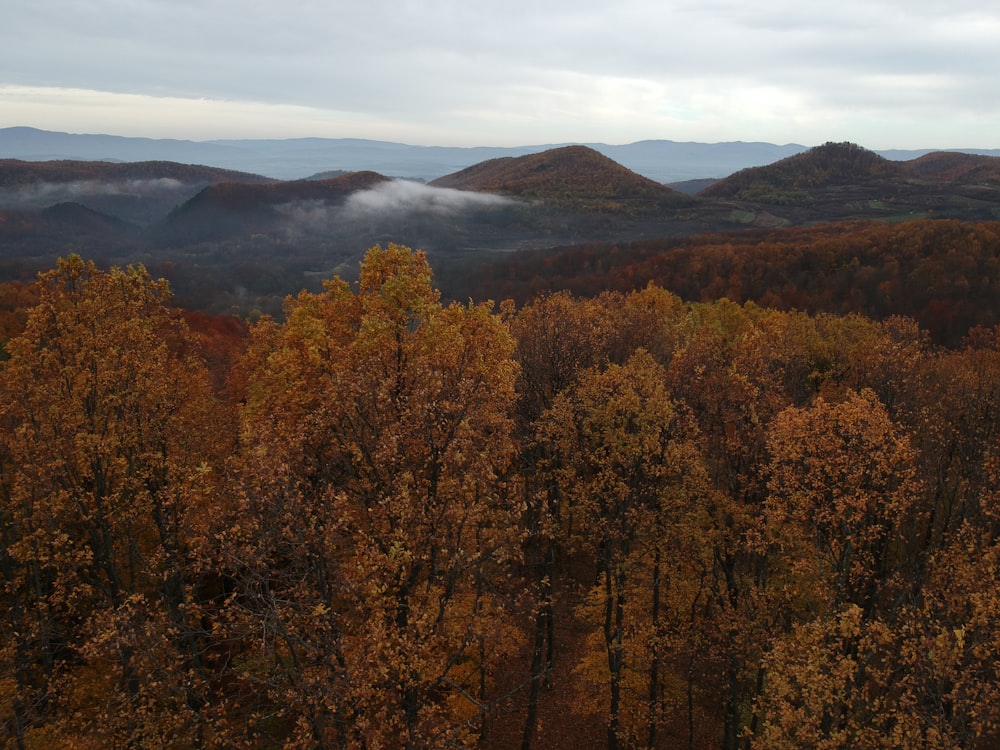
{"points": [[375, 433], [634, 491], [110, 441]]}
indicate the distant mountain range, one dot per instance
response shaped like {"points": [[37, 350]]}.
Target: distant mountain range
{"points": [[660, 160], [233, 239], [567, 193]]}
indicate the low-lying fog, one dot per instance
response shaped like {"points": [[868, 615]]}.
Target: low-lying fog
{"points": [[389, 200], [43, 194]]}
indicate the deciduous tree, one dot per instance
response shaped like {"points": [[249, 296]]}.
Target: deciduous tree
{"points": [[626, 460], [110, 447], [843, 504], [376, 432]]}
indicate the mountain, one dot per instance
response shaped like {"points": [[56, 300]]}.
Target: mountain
{"points": [[58, 230], [839, 181], [233, 240], [563, 195], [847, 164], [829, 165], [32, 144], [20, 172], [664, 161], [955, 167], [76, 221], [574, 177]]}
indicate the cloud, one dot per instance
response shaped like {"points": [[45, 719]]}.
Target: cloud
{"points": [[515, 72]]}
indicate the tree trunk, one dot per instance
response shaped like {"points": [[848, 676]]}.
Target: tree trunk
{"points": [[614, 616], [654, 661], [531, 721]]}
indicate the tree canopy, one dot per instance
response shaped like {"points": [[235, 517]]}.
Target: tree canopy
{"points": [[385, 521]]}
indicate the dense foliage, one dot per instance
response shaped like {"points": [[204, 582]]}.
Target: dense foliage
{"points": [[619, 521], [943, 273]]}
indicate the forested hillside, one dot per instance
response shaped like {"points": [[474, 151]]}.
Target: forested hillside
{"points": [[618, 521], [943, 273], [574, 177], [231, 242]]}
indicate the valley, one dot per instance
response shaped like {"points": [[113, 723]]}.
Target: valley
{"points": [[239, 243]]}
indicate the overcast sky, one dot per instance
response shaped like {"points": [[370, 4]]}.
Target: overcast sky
{"points": [[884, 74]]}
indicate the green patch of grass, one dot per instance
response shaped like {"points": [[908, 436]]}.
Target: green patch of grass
{"points": [[739, 216]]}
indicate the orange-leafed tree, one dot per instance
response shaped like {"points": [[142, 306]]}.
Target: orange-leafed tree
{"points": [[731, 369], [110, 447], [841, 515], [945, 677], [376, 534], [15, 300], [557, 338], [843, 500], [632, 486]]}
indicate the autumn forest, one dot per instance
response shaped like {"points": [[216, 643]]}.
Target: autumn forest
{"points": [[620, 519]]}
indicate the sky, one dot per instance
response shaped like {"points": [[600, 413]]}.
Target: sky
{"points": [[880, 73]]}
